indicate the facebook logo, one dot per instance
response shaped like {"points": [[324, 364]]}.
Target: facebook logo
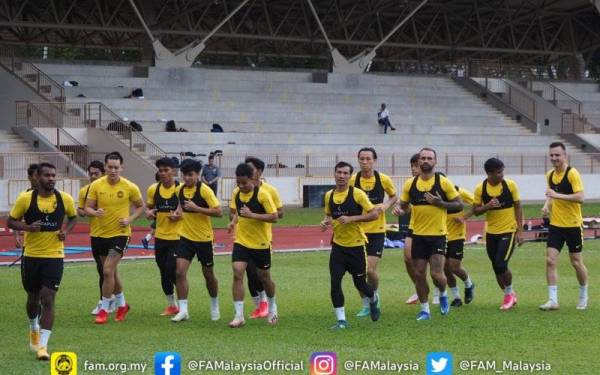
{"points": [[167, 363]]}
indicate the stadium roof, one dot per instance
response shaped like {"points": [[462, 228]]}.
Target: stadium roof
{"points": [[527, 31]]}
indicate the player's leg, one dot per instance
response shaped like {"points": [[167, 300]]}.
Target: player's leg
{"points": [[51, 271], [414, 298], [262, 260], [357, 266], [554, 245], [575, 244], [185, 253], [112, 284], [436, 268], [552, 254], [239, 258], [374, 254], [453, 267], [420, 258], [257, 291], [98, 260], [165, 259], [506, 245], [206, 258], [337, 269], [31, 283]]}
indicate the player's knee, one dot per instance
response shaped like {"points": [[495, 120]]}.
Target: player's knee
{"points": [[107, 272], [577, 263], [438, 275], [47, 300], [500, 268], [372, 272], [551, 261], [238, 276]]}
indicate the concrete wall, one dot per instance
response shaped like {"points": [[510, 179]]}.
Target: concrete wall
{"points": [[136, 169], [12, 90]]}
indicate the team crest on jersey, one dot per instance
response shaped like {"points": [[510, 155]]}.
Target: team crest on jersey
{"points": [[120, 194]]}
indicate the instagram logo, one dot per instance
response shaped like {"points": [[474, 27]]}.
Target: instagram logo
{"points": [[323, 363]]}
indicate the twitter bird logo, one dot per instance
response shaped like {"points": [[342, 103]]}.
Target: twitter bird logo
{"points": [[439, 363]]}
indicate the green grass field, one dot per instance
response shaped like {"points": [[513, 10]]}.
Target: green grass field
{"points": [[298, 216], [565, 339]]}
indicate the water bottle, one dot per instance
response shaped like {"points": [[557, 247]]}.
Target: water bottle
{"points": [[321, 244], [529, 225]]}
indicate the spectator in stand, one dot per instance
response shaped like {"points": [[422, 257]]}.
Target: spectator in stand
{"points": [[211, 174], [383, 118]]}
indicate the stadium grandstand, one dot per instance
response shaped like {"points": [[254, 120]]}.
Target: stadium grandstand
{"points": [[301, 85]]}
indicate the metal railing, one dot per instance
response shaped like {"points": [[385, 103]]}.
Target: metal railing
{"points": [[511, 94], [285, 165], [574, 124], [13, 165], [86, 115], [555, 95], [39, 81]]}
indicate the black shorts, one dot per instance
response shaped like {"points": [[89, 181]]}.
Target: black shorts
{"points": [[354, 259], [454, 249], [168, 246], [39, 272], [260, 257], [423, 247], [104, 246], [94, 246], [500, 248], [203, 250], [375, 245], [573, 236]]}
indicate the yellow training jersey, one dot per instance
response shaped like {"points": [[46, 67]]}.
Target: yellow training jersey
{"points": [[116, 201], [501, 220], [564, 213], [253, 234], [351, 234], [83, 193], [427, 219], [458, 231], [42, 244], [166, 229], [196, 226], [368, 185]]}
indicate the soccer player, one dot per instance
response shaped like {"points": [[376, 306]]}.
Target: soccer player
{"points": [[109, 200], [345, 208], [564, 199], [255, 211], [32, 176], [146, 239], [161, 205], [43, 210], [397, 210], [457, 232], [198, 203], [499, 199], [376, 185], [257, 291], [95, 171], [430, 195]]}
